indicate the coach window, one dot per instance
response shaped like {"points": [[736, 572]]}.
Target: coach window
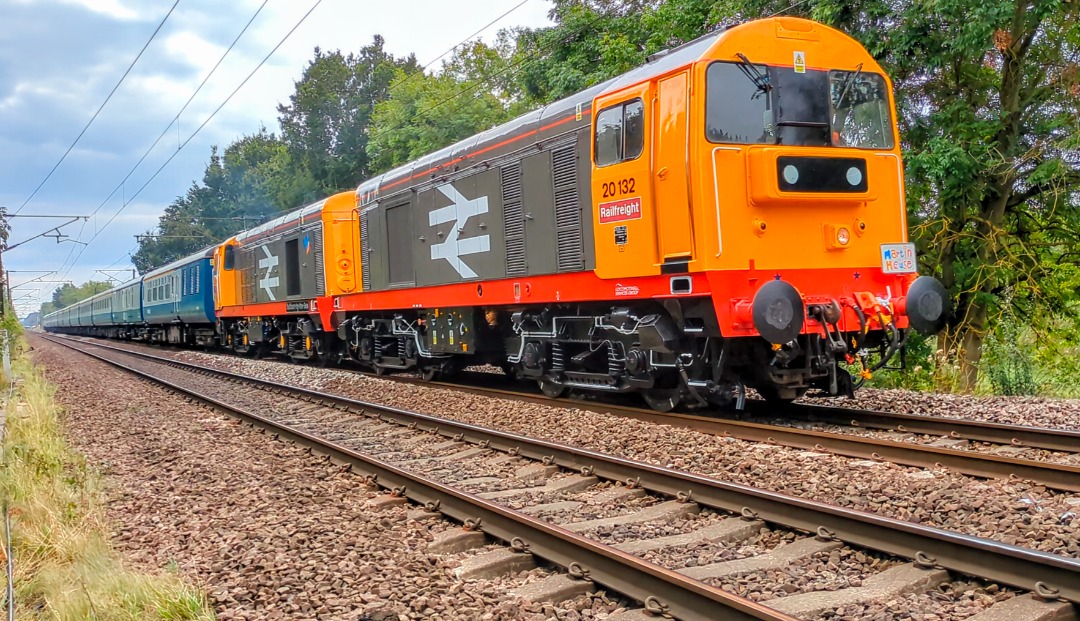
{"points": [[620, 133]]}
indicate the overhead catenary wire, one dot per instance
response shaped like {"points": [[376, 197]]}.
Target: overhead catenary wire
{"points": [[233, 44], [100, 108], [463, 42], [175, 120], [471, 86], [128, 200], [195, 133]]}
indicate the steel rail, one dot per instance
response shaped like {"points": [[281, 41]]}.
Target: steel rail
{"points": [[1065, 440], [1047, 438], [988, 559], [1062, 477], [682, 597]]}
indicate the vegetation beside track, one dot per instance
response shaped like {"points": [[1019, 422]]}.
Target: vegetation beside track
{"points": [[64, 567]]}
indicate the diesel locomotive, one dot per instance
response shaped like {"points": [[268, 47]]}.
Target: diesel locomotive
{"points": [[729, 215]]}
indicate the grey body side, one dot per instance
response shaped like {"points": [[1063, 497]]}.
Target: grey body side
{"points": [[522, 196]]}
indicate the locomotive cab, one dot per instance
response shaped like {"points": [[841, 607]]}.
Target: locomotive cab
{"points": [[763, 165]]}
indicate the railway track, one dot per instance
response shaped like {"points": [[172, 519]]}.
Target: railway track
{"points": [[953, 433], [484, 474], [943, 443]]}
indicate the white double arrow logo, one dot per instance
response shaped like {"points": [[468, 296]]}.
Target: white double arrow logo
{"points": [[453, 248], [267, 283]]}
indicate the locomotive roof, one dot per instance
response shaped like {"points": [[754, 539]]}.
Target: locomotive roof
{"points": [[494, 135], [202, 254], [298, 215], [666, 60], [658, 63]]}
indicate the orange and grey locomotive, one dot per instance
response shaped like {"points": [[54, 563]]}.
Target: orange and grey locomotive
{"points": [[730, 214]]}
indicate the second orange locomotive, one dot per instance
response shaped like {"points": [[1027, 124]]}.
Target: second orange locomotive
{"points": [[730, 214]]}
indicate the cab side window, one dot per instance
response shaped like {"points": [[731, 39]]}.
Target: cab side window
{"points": [[620, 133]]}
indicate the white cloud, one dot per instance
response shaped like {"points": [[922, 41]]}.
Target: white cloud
{"points": [[111, 8], [193, 49]]}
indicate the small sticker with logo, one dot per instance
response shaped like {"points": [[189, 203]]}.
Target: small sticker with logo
{"points": [[620, 235], [622, 291], [800, 62], [620, 211]]}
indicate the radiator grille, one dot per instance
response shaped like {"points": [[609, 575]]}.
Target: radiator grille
{"points": [[245, 259], [567, 210], [513, 220], [365, 252], [320, 265]]}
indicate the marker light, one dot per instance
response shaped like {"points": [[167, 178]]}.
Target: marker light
{"points": [[843, 236]]}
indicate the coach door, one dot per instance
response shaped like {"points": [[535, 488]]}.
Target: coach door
{"points": [[671, 181]]}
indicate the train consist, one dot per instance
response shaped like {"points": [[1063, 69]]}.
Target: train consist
{"points": [[730, 214]]}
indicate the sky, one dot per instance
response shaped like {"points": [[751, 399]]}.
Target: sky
{"points": [[59, 59]]}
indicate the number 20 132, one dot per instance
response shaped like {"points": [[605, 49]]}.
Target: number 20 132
{"points": [[618, 188]]}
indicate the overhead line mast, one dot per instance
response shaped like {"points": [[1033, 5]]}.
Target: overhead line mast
{"points": [[197, 130], [175, 120]]}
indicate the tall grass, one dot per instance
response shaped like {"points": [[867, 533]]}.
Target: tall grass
{"points": [[64, 566]]}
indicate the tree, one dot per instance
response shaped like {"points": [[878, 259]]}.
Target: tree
{"points": [[990, 114], [253, 182], [427, 112], [325, 123]]}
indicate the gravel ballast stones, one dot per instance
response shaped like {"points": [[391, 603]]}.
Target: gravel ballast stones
{"points": [[1015, 512], [268, 530]]}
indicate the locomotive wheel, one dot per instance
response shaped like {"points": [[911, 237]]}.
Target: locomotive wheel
{"points": [[326, 353], [662, 399], [379, 369], [508, 370], [551, 388], [428, 374]]}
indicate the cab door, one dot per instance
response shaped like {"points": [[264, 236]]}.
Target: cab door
{"points": [[625, 235], [671, 177]]}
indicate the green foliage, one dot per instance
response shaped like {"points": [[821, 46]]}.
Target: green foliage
{"points": [[5, 227], [325, 124], [321, 150], [1009, 364], [429, 111]]}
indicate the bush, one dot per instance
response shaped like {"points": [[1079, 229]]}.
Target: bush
{"points": [[1007, 362]]}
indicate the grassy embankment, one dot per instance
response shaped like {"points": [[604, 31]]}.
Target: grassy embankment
{"points": [[64, 566]]}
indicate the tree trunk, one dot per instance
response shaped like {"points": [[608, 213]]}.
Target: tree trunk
{"points": [[974, 333]]}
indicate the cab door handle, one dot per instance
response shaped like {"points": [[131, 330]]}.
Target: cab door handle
{"points": [[662, 173]]}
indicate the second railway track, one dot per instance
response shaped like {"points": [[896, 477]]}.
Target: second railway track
{"points": [[946, 452], [408, 446]]}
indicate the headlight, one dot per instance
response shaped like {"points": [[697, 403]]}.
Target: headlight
{"points": [[843, 236]]}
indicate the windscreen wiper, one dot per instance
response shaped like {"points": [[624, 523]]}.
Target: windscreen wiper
{"points": [[847, 86], [752, 73]]}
